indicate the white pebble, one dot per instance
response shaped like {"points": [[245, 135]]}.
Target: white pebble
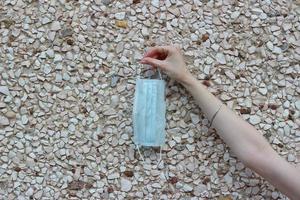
{"points": [[55, 26], [254, 119], [120, 15], [220, 58], [4, 90], [126, 185]]}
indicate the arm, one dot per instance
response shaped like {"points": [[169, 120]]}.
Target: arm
{"points": [[244, 140], [247, 143]]}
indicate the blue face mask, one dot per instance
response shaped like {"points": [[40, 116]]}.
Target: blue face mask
{"points": [[149, 112]]}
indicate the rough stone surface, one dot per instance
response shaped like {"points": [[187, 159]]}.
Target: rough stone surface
{"points": [[125, 185], [4, 121], [67, 77], [4, 90], [254, 119]]}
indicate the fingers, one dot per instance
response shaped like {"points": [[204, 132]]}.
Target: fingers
{"points": [[157, 52], [154, 62]]}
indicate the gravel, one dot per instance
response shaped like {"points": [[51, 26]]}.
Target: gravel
{"points": [[67, 77]]}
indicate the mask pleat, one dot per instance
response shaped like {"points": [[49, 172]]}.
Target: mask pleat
{"points": [[153, 114], [145, 109], [156, 113], [161, 117]]}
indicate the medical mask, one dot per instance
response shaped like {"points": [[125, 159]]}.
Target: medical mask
{"points": [[149, 112]]}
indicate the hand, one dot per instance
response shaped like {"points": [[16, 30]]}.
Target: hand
{"points": [[170, 60]]}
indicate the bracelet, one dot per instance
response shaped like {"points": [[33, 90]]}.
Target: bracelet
{"points": [[214, 116]]}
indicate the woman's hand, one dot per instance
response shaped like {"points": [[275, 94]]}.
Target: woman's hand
{"points": [[170, 60]]}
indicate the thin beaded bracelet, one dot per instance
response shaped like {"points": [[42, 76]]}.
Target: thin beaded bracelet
{"points": [[214, 116]]}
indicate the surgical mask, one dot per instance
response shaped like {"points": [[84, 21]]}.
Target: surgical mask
{"points": [[149, 111]]}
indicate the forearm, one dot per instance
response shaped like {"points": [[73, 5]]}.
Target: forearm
{"points": [[246, 142], [238, 134]]}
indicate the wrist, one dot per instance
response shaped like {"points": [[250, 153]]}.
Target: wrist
{"points": [[188, 81]]}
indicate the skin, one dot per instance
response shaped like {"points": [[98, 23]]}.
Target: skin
{"points": [[245, 141]]}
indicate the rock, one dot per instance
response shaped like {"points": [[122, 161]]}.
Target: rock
{"points": [[252, 49], [24, 119], [98, 2], [235, 14], [102, 54], [114, 100], [120, 47], [277, 50], [4, 121], [4, 90], [275, 28], [254, 119], [190, 147], [230, 74], [275, 195], [50, 53], [195, 118], [228, 179], [71, 127], [145, 31], [190, 166], [121, 23], [46, 69], [10, 115], [39, 180], [38, 194], [57, 58], [155, 3], [263, 91], [81, 39], [270, 46], [286, 26], [67, 32], [156, 185], [19, 145], [263, 16], [120, 15], [291, 158], [55, 26], [220, 58], [113, 176], [177, 139], [114, 81], [45, 20], [88, 58], [187, 188], [297, 105], [215, 47], [257, 11], [276, 141], [199, 189], [126, 185], [105, 2], [29, 192]]}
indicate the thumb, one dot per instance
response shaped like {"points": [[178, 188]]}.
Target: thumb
{"points": [[154, 62]]}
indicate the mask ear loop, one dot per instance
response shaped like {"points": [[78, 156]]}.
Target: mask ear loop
{"points": [[137, 146], [159, 156], [160, 76], [160, 153], [138, 71]]}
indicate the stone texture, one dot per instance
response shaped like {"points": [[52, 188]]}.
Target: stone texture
{"points": [[67, 77]]}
